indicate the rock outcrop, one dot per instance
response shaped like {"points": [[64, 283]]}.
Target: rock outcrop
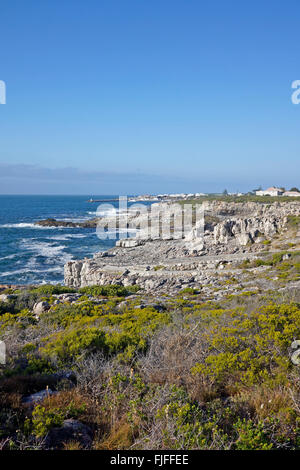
{"points": [[40, 308], [71, 431], [229, 233], [92, 223], [244, 231]]}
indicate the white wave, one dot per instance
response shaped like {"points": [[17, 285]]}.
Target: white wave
{"points": [[47, 250], [57, 269], [25, 225], [67, 236], [43, 248], [105, 212], [8, 257], [108, 212], [113, 212]]}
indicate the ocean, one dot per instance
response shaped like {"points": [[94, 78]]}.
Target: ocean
{"points": [[35, 255]]}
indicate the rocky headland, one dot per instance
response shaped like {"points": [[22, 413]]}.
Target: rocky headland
{"points": [[233, 234]]}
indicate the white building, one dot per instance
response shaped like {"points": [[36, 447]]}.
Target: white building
{"points": [[270, 192], [291, 194]]}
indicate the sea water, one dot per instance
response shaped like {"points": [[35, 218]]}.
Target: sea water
{"points": [[30, 254]]}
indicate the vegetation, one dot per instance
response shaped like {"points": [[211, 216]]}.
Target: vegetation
{"points": [[244, 198], [109, 291], [293, 221], [198, 375]]}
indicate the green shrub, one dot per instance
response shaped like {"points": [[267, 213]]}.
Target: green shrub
{"points": [[109, 291], [52, 289], [252, 436], [67, 346], [43, 419], [158, 267], [110, 333], [189, 291], [293, 220], [251, 348]]}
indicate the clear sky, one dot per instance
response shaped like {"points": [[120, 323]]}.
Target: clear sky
{"points": [[134, 96]]}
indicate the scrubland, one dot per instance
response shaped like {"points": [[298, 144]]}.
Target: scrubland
{"points": [[184, 372]]}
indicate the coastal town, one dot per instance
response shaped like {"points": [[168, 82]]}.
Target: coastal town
{"points": [[272, 191]]}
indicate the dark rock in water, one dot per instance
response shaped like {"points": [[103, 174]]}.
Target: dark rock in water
{"points": [[71, 430], [50, 222]]}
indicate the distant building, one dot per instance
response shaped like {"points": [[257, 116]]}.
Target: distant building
{"points": [[270, 192], [291, 194]]}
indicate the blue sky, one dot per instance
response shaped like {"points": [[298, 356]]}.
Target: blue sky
{"points": [[133, 96]]}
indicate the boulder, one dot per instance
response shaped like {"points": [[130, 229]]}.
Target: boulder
{"points": [[5, 298], [71, 431], [243, 239], [40, 307], [129, 243], [37, 397]]}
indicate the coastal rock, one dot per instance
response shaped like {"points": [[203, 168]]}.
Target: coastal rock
{"points": [[244, 231], [230, 232], [50, 222], [37, 397], [68, 297], [5, 298], [40, 308], [71, 431], [129, 243]]}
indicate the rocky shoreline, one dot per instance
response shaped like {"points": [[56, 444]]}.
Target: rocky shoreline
{"points": [[234, 233]]}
